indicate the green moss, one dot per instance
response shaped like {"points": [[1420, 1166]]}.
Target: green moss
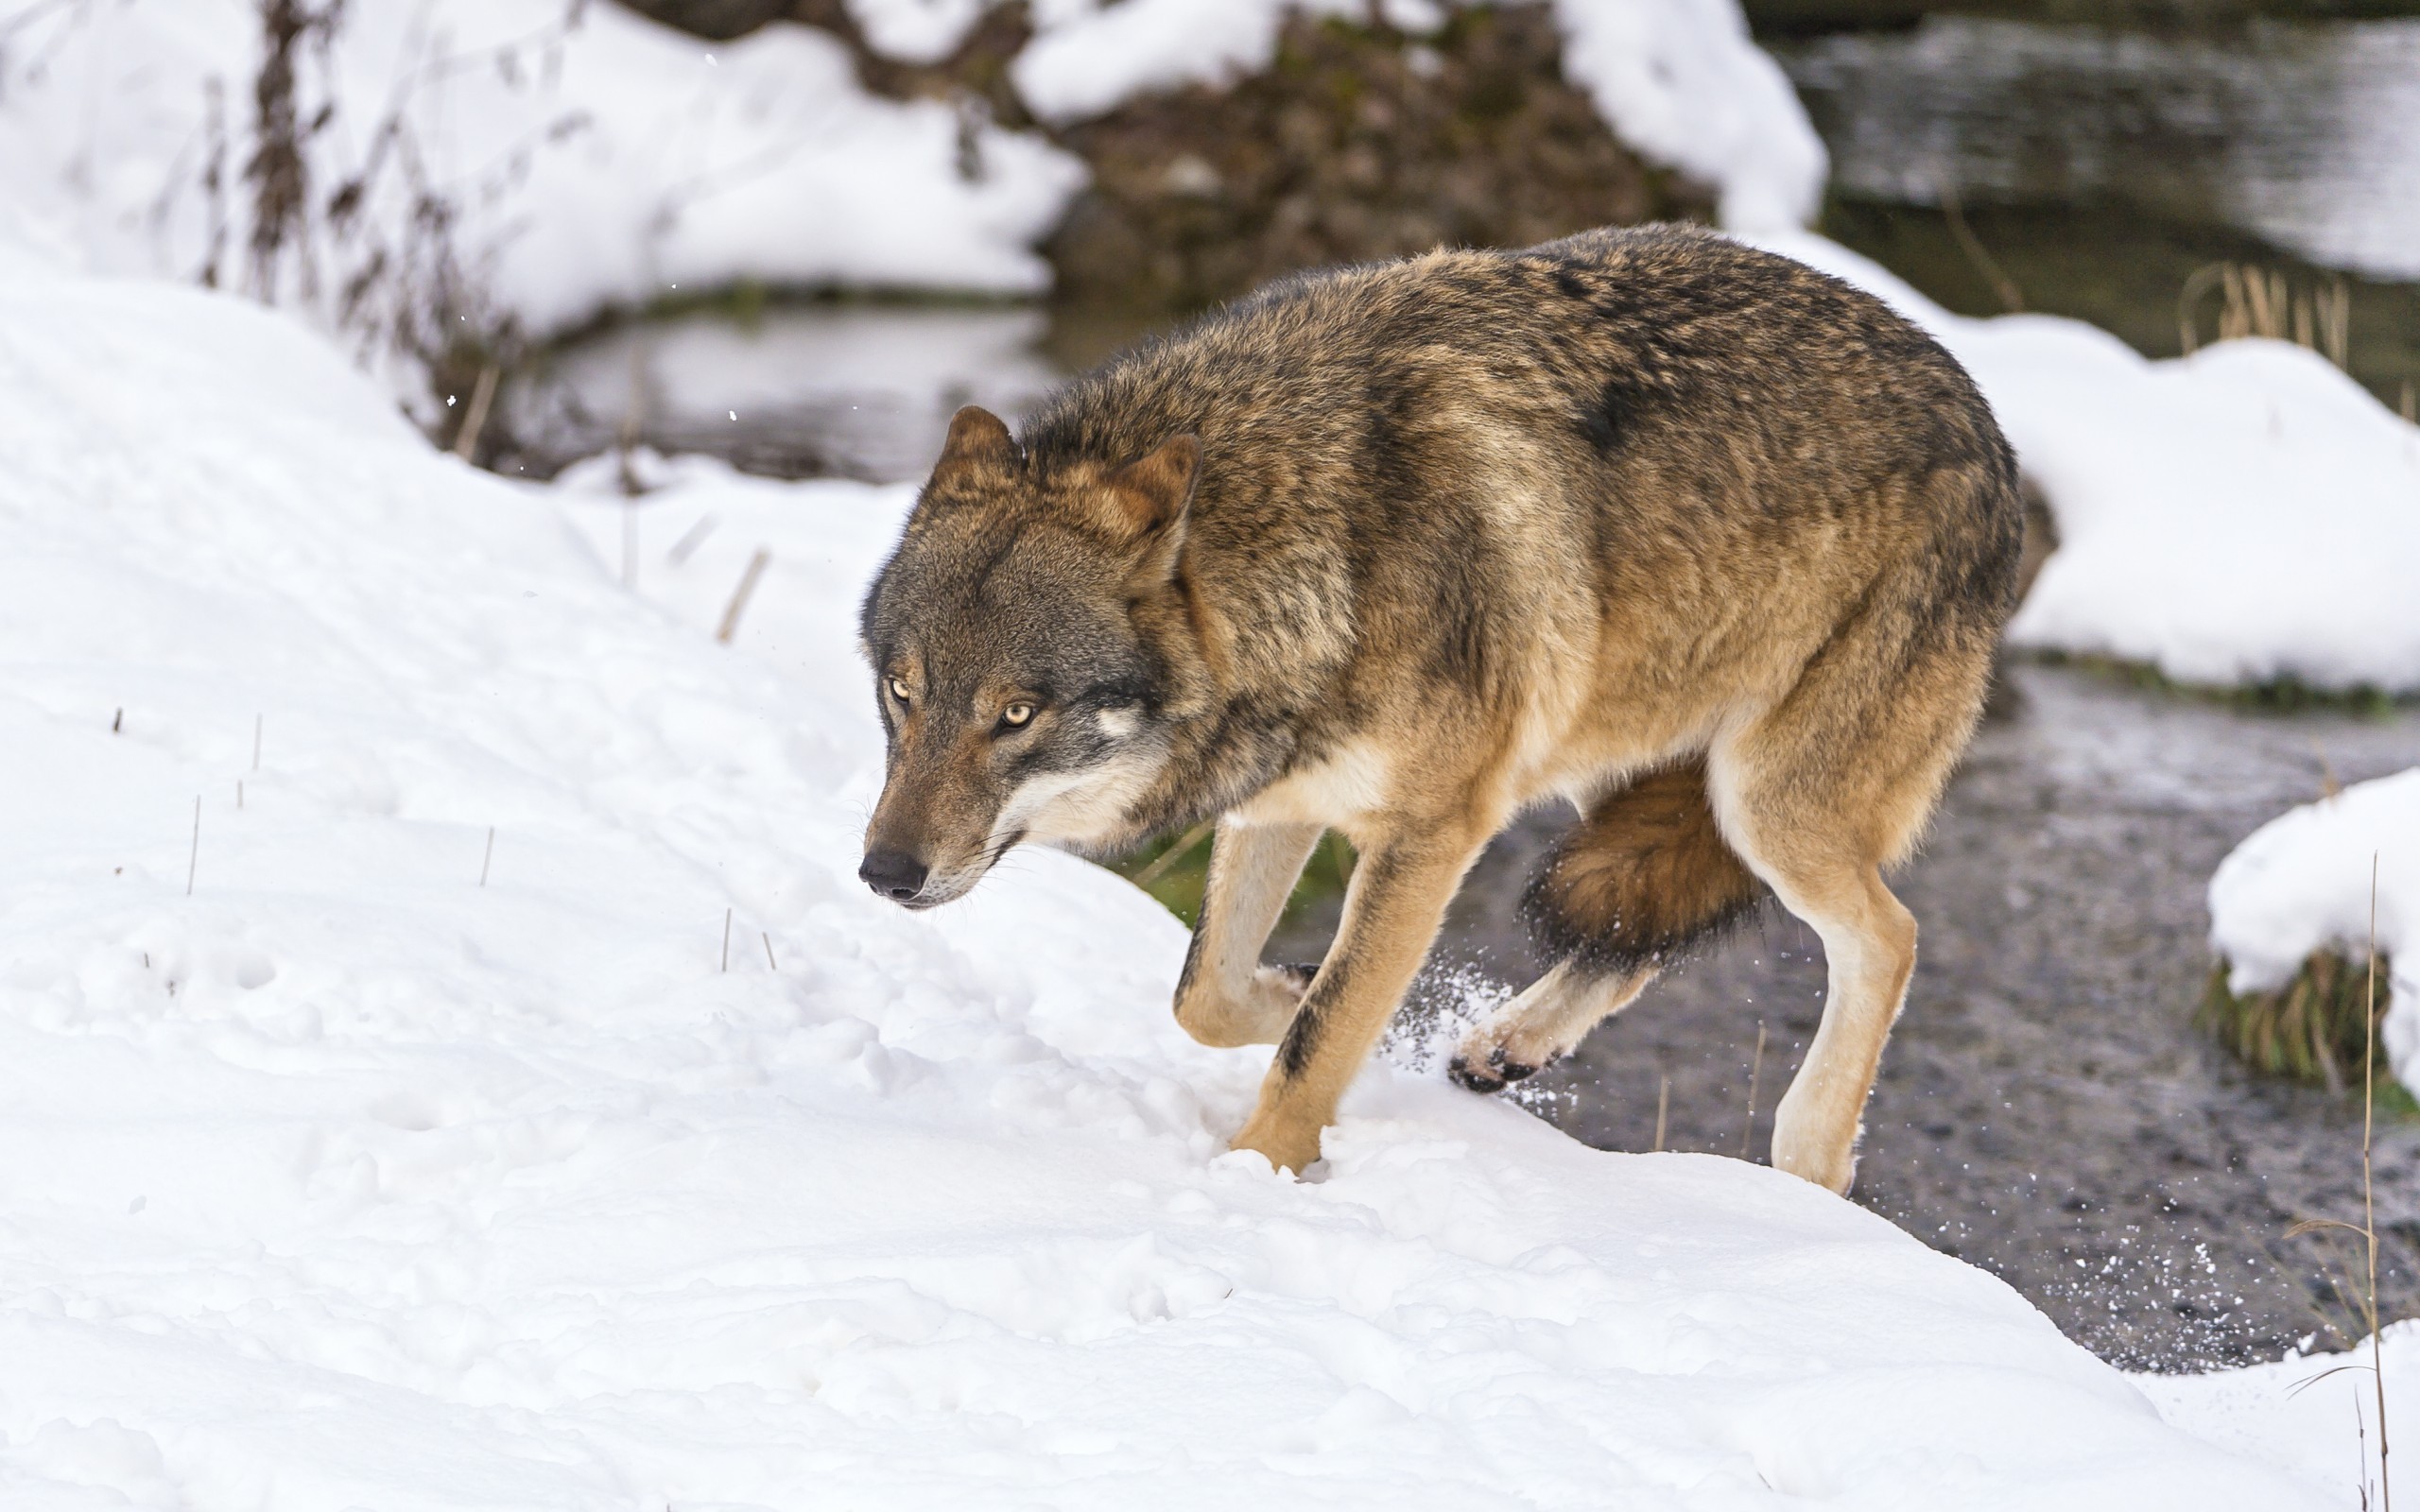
{"points": [[2286, 694], [1178, 882], [2311, 1029]]}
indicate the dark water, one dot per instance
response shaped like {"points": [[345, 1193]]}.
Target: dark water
{"points": [[2092, 170], [856, 390]]}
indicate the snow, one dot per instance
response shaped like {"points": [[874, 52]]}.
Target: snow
{"points": [[916, 31], [1086, 60], [589, 164], [2242, 515], [1679, 80], [2301, 884], [2312, 1416], [373, 1167]]}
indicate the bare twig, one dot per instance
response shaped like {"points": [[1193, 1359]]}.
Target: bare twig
{"points": [[1755, 1068], [1166, 860], [256, 742], [193, 862], [2369, 1208], [634, 422], [691, 540], [1663, 1106], [485, 861], [767, 937], [466, 440], [726, 940], [739, 596], [2009, 297]]}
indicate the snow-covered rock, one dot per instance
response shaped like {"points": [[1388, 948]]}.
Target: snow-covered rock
{"points": [[2301, 884], [590, 158], [1679, 80], [645, 1159], [2241, 515]]}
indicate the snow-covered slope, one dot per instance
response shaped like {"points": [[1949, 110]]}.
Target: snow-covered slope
{"points": [[2244, 514], [2301, 883], [374, 1170], [587, 162]]}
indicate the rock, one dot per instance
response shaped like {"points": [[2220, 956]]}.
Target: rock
{"points": [[1360, 141]]}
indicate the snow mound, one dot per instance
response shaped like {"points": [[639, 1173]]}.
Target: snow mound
{"points": [[508, 1097], [916, 31], [2301, 884], [2312, 1416], [589, 163], [2242, 515], [1679, 80]]}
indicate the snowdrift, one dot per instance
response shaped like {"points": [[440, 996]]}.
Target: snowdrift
{"points": [[605, 161], [587, 165], [2301, 884], [2247, 514], [507, 1097]]}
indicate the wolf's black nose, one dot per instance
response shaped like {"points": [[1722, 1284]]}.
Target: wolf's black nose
{"points": [[895, 874]]}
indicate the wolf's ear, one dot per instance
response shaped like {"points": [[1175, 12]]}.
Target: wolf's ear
{"points": [[978, 441], [1150, 492]]}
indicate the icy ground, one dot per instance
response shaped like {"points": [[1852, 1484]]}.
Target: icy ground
{"points": [[343, 1163], [2302, 884]]}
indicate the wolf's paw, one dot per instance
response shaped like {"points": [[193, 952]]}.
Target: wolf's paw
{"points": [[1261, 1019], [1492, 1073], [1288, 1143], [1807, 1150], [1507, 1046]]}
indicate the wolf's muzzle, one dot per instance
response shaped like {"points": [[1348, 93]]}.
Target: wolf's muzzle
{"points": [[895, 874]]}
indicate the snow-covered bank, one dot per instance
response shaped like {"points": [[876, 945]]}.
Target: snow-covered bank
{"points": [[2313, 1416], [2301, 884], [377, 1169], [543, 160], [583, 163], [2242, 515], [1677, 79]]}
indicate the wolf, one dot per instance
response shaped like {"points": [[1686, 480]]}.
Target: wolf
{"points": [[1711, 545]]}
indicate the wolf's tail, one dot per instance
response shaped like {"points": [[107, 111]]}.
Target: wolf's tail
{"points": [[1644, 876]]}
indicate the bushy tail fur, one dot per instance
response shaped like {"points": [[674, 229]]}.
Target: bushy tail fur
{"points": [[1644, 876]]}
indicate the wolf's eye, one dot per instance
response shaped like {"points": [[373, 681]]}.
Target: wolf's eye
{"points": [[1016, 713], [898, 689]]}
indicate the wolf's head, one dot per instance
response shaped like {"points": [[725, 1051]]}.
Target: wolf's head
{"points": [[1022, 679]]}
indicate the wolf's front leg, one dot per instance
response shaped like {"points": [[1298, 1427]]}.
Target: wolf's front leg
{"points": [[1226, 997], [1392, 911]]}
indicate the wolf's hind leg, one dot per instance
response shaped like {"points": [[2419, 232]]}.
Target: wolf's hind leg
{"points": [[1642, 877], [1819, 796], [1226, 997], [1543, 1024]]}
